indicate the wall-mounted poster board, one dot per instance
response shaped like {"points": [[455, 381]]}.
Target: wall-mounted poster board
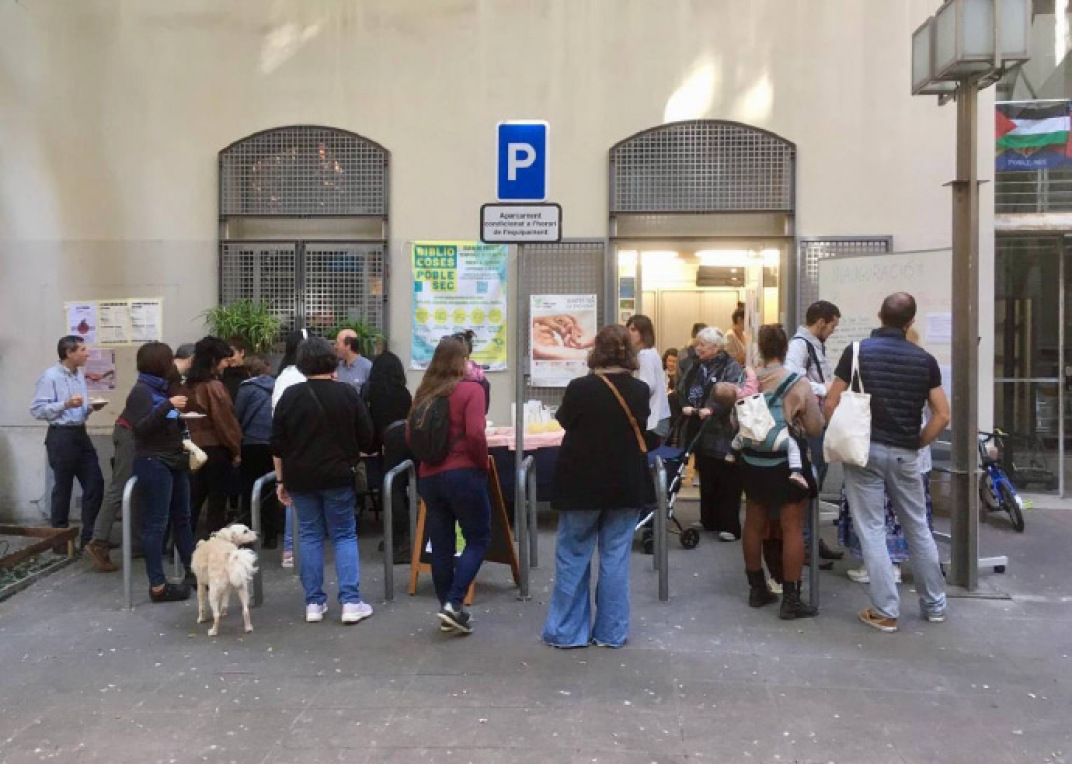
{"points": [[858, 285]]}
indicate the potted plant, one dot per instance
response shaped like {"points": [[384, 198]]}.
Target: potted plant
{"points": [[370, 338], [252, 321]]}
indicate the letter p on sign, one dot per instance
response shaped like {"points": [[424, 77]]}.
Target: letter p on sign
{"points": [[523, 161]]}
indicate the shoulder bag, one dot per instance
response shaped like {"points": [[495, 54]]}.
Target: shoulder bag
{"points": [[625, 407], [848, 435]]}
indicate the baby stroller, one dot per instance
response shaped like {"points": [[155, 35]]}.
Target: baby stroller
{"points": [[674, 459]]}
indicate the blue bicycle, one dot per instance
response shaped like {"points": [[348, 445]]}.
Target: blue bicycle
{"points": [[996, 491]]}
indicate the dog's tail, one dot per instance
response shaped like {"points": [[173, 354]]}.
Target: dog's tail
{"points": [[241, 565]]}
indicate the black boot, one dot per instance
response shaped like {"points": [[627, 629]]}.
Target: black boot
{"points": [[826, 553], [758, 594], [792, 605], [772, 555]]}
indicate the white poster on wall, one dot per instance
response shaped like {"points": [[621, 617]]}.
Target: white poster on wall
{"points": [[562, 331], [82, 321], [146, 320]]}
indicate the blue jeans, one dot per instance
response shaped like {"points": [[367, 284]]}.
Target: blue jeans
{"points": [[456, 496], [329, 511], [71, 455], [894, 472], [569, 618], [165, 496]]}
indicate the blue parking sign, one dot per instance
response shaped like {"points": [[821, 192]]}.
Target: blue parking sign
{"points": [[523, 161]]}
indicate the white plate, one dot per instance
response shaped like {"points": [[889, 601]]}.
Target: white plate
{"points": [[192, 415]]}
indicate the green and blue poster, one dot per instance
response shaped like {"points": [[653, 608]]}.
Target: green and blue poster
{"points": [[459, 285]]}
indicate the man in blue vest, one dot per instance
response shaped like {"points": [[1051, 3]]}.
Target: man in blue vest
{"points": [[901, 378]]}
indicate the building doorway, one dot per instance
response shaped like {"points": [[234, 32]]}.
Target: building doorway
{"points": [[702, 219]]}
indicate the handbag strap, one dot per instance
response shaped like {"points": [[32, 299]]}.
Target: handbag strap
{"points": [[857, 378], [628, 413]]}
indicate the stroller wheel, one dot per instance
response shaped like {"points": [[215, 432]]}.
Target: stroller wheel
{"points": [[690, 538]]}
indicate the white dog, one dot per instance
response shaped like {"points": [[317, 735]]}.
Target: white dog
{"points": [[220, 566]]}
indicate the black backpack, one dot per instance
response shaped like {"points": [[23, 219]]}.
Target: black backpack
{"points": [[429, 430]]}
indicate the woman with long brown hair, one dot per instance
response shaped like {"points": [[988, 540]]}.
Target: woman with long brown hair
{"points": [[454, 488], [601, 480]]}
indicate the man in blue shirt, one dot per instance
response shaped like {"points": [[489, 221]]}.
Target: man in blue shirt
{"points": [[62, 399], [353, 367]]}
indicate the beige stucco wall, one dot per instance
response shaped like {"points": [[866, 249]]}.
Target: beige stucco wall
{"points": [[112, 111]]}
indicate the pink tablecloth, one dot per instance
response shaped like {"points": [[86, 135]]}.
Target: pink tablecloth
{"points": [[504, 436]]}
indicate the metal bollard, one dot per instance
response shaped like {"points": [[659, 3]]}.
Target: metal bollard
{"points": [[255, 518], [662, 535], [388, 522], [521, 524], [176, 561], [533, 527], [813, 567], [128, 532]]}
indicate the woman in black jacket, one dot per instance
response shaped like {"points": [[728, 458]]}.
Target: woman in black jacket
{"points": [[389, 402], [161, 467], [600, 484], [319, 429], [720, 481]]}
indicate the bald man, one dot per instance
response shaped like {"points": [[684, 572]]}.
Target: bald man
{"points": [[353, 367]]}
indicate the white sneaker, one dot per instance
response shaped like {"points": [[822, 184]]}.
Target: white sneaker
{"points": [[860, 576], [352, 612], [726, 536], [315, 613], [773, 586], [288, 560]]}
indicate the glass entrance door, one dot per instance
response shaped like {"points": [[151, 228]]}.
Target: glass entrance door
{"points": [[1031, 358]]}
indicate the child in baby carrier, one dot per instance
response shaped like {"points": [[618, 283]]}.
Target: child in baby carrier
{"points": [[782, 441]]}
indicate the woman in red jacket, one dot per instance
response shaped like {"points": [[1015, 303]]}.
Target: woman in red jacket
{"points": [[455, 490]]}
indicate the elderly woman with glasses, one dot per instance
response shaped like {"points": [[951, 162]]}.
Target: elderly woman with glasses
{"points": [[703, 416]]}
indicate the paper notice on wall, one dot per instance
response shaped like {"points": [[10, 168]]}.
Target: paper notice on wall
{"points": [[82, 321], [100, 371], [114, 322], [939, 329], [146, 320], [561, 335]]}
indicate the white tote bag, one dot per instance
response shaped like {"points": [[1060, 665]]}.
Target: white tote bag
{"points": [[754, 419], [848, 435]]}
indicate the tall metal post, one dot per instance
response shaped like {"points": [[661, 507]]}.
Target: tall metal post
{"points": [[965, 515], [520, 358]]}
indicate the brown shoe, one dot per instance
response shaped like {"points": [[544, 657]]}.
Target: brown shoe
{"points": [[98, 556], [878, 621]]}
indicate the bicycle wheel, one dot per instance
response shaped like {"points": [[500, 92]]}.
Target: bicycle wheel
{"points": [[1012, 506], [986, 493]]}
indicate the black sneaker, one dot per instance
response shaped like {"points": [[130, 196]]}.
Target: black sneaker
{"points": [[190, 580], [457, 619], [170, 593]]}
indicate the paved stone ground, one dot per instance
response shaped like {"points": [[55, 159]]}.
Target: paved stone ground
{"points": [[703, 677]]}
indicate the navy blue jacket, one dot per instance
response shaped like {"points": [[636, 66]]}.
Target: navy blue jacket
{"points": [[899, 377], [253, 409]]}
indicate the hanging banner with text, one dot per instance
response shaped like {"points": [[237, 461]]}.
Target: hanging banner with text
{"points": [[459, 285], [520, 223], [563, 330]]}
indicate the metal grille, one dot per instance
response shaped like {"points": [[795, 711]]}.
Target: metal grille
{"points": [[813, 250], [344, 281], [261, 271], [702, 166], [1039, 191], [298, 171], [568, 267]]}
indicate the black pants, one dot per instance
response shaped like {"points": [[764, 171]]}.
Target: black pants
{"points": [[720, 494], [71, 455], [211, 483], [256, 463]]}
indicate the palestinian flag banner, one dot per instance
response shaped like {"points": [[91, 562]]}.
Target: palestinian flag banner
{"points": [[1033, 135]]}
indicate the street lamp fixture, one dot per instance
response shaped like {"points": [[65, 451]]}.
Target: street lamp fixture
{"points": [[964, 48]]}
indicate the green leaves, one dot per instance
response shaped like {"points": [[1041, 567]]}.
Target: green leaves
{"points": [[252, 321]]}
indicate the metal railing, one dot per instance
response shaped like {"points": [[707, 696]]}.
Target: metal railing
{"points": [[813, 565], [661, 558], [1033, 191], [388, 521], [524, 523], [128, 552], [255, 519]]}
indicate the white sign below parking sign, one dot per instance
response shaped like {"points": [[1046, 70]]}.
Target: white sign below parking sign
{"points": [[520, 223]]}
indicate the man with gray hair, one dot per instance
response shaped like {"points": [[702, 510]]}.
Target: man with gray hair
{"points": [[61, 398], [900, 378]]}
